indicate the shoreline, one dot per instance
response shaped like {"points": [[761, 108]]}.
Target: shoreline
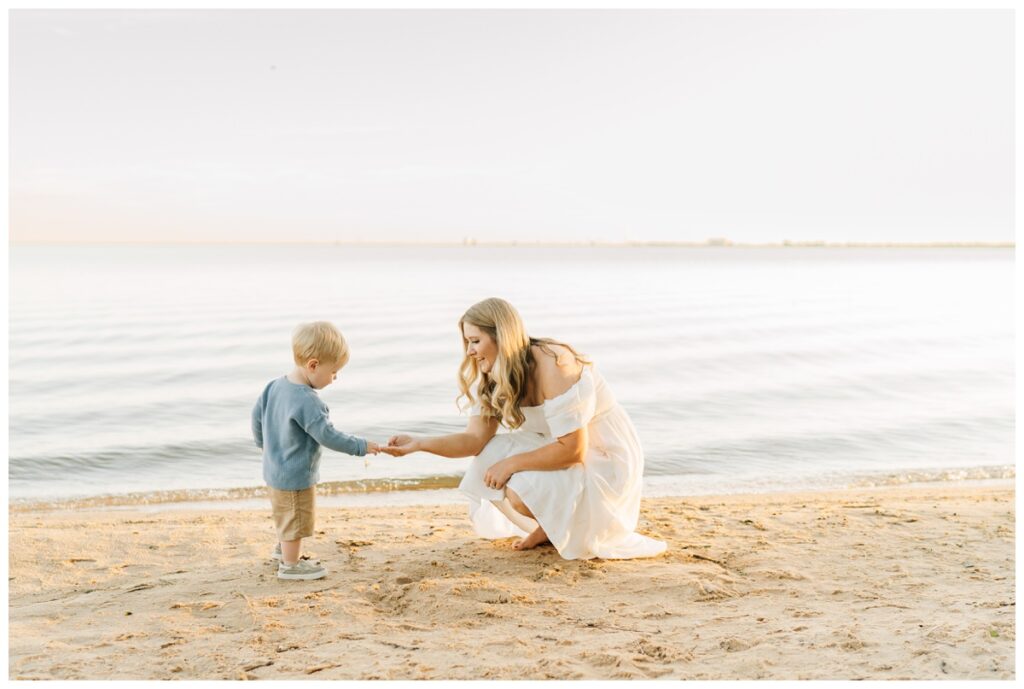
{"points": [[443, 490], [889, 582]]}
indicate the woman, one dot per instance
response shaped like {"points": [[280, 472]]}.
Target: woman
{"points": [[570, 471]]}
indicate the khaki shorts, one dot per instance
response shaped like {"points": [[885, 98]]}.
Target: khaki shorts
{"points": [[294, 511]]}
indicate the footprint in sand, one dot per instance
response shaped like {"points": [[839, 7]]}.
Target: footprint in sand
{"points": [[778, 574], [806, 613], [652, 651], [203, 608], [733, 644], [601, 659], [708, 591], [549, 573]]}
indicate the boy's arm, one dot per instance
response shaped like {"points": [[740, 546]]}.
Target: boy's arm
{"points": [[257, 423], [315, 421]]}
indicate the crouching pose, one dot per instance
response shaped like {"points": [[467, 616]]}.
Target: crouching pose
{"points": [[569, 471]]}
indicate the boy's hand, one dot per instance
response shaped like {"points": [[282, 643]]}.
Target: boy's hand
{"points": [[372, 448]]}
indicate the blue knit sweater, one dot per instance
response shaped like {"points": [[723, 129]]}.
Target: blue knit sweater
{"points": [[289, 423]]}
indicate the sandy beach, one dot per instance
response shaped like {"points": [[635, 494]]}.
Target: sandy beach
{"points": [[904, 583]]}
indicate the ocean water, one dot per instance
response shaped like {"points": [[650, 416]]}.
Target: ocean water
{"points": [[133, 369]]}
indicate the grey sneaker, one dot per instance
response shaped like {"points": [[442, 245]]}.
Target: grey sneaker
{"points": [[303, 569], [276, 555]]}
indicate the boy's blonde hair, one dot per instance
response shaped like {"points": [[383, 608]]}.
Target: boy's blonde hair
{"points": [[319, 340]]}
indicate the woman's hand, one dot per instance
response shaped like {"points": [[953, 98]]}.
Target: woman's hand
{"points": [[401, 445], [499, 473]]}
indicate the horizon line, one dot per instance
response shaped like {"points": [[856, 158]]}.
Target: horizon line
{"points": [[712, 243]]}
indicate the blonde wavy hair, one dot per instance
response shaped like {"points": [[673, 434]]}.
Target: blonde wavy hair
{"points": [[501, 391]]}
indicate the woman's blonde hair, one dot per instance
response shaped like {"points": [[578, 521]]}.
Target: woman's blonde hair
{"points": [[319, 340], [501, 391]]}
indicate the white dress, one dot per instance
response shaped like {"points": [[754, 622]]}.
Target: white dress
{"points": [[587, 510]]}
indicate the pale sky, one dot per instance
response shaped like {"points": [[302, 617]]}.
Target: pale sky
{"points": [[575, 125]]}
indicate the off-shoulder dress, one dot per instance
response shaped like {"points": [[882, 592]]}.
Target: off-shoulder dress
{"points": [[587, 510]]}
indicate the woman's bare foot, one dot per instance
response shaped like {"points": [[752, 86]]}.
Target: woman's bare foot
{"points": [[532, 541]]}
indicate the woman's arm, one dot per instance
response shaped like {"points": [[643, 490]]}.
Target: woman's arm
{"points": [[471, 441], [553, 379], [563, 453]]}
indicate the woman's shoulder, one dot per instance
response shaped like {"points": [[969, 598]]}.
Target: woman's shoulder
{"points": [[552, 354], [556, 372]]}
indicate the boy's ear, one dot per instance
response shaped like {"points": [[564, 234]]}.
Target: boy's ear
{"points": [[312, 364]]}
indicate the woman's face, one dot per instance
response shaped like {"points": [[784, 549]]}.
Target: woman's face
{"points": [[480, 346]]}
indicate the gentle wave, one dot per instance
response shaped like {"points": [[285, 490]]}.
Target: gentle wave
{"points": [[329, 488], [761, 483], [947, 476], [439, 483]]}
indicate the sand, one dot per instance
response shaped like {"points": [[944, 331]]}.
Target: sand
{"points": [[908, 583]]}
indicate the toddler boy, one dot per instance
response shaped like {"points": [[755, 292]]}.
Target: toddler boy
{"points": [[289, 423]]}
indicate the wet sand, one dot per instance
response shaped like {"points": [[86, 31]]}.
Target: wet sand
{"points": [[906, 583]]}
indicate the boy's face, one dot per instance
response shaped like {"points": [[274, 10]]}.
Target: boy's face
{"points": [[322, 375]]}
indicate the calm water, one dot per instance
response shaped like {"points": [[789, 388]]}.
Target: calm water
{"points": [[133, 369]]}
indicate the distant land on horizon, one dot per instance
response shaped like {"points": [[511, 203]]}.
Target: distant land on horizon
{"points": [[471, 242]]}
